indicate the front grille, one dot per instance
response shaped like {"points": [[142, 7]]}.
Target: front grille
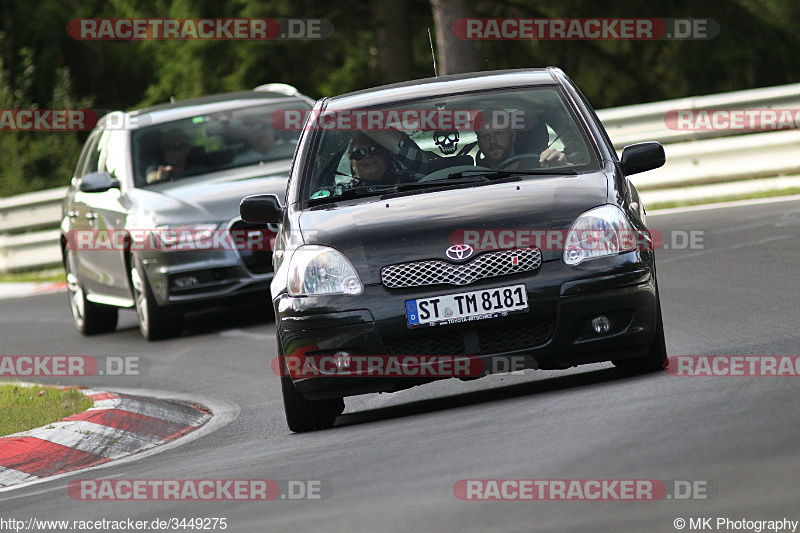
{"points": [[490, 338], [516, 337], [436, 272], [253, 242], [451, 343]]}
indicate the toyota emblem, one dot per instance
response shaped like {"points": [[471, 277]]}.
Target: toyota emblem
{"points": [[457, 252]]}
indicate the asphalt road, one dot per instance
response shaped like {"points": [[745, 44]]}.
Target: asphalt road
{"points": [[392, 461]]}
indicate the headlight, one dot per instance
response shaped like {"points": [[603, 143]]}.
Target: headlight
{"points": [[317, 270], [599, 232], [185, 236]]}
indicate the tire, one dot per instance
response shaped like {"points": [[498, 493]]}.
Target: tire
{"points": [[307, 415], [90, 318], [654, 359], [155, 322]]}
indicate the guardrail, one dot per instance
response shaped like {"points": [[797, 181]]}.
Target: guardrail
{"points": [[725, 159], [635, 123], [29, 230], [695, 160]]}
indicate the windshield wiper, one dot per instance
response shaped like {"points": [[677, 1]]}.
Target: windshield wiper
{"points": [[448, 182], [489, 174]]}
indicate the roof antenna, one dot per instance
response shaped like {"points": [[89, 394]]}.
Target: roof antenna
{"points": [[436, 74]]}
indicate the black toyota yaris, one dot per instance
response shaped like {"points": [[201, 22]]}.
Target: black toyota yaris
{"points": [[454, 227]]}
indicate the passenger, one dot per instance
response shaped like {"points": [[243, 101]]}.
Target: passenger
{"points": [[385, 158], [261, 138]]}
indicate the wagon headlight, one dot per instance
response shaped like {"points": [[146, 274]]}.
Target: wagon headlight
{"points": [[599, 232], [318, 270]]}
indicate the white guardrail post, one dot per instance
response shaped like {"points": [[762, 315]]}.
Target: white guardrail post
{"points": [[699, 164]]}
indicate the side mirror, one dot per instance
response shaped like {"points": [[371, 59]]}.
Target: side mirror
{"points": [[98, 182], [261, 208], [641, 157]]}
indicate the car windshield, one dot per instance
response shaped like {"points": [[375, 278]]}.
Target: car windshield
{"points": [[384, 148], [212, 142]]}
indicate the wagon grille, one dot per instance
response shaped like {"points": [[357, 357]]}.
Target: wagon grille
{"points": [[436, 272]]}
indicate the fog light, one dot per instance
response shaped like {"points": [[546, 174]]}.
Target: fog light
{"points": [[342, 360], [185, 282], [601, 325]]}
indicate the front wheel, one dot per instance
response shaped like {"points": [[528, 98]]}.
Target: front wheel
{"points": [[90, 318], [303, 414], [154, 321]]}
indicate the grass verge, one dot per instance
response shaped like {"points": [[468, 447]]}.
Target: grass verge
{"points": [[28, 407], [55, 275]]}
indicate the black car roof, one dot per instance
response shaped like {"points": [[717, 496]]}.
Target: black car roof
{"points": [[449, 84]]}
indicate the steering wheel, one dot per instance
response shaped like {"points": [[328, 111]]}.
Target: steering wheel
{"points": [[515, 158]]}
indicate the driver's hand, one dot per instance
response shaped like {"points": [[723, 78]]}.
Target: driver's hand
{"points": [[551, 156], [164, 172]]}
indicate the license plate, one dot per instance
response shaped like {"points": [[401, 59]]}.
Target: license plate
{"points": [[466, 306]]}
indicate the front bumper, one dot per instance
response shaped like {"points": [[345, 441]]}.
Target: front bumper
{"points": [[189, 278], [555, 333]]}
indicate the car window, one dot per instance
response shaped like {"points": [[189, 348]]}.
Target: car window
{"points": [[212, 142], [448, 134], [113, 158], [87, 149], [92, 159]]}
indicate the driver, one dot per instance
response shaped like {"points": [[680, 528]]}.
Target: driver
{"points": [[496, 143], [176, 146]]}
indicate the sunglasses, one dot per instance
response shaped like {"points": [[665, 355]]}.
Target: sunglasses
{"points": [[361, 153]]}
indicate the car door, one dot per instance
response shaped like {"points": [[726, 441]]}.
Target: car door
{"points": [[76, 225], [104, 264]]}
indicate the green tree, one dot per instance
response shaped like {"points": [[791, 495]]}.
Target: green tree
{"points": [[33, 160]]}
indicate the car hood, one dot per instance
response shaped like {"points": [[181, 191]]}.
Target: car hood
{"points": [[373, 233], [210, 197]]}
